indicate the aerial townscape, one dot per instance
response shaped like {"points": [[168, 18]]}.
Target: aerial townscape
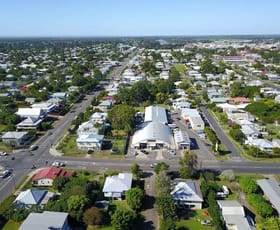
{"points": [[138, 130]]}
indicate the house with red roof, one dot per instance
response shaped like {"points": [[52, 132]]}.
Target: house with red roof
{"points": [[46, 176], [238, 100]]}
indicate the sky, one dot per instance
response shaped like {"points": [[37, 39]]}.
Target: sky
{"points": [[60, 18]]}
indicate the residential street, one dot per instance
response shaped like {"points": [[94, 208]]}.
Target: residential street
{"points": [[221, 135]]}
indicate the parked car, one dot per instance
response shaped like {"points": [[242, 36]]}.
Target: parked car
{"points": [[144, 151], [172, 152], [3, 154], [33, 147], [57, 164], [153, 165]]}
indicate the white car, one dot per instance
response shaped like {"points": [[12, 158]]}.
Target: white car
{"points": [[3, 154], [5, 173], [152, 165], [57, 164]]}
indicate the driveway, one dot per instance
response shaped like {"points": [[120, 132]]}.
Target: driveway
{"points": [[151, 216]]}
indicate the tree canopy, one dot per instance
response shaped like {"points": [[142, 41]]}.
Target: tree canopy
{"points": [[122, 117]]}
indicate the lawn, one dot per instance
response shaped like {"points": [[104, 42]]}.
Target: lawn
{"points": [[181, 68], [273, 130], [69, 147], [11, 225], [5, 148], [2, 127], [193, 222]]}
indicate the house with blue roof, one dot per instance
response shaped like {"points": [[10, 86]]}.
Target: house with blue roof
{"points": [[32, 197]]}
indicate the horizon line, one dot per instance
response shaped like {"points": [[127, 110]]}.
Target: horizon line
{"points": [[133, 36]]}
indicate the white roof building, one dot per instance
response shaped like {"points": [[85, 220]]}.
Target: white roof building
{"points": [[29, 123], [234, 215], [187, 193], [151, 135], [262, 144], [182, 139], [14, 136], [33, 197], [116, 186], [271, 190], [31, 112], [155, 113], [90, 141], [45, 106], [46, 221], [98, 117], [249, 131], [87, 128]]}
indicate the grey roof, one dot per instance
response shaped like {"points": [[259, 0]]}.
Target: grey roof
{"points": [[153, 131], [118, 183], [14, 135], [155, 113], [30, 197], [233, 214], [181, 137], [44, 221], [272, 190], [186, 191]]}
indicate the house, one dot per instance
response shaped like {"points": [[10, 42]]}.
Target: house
{"points": [[60, 95], [32, 197], [234, 215], [271, 191], [116, 186], [238, 100], [181, 105], [262, 144], [35, 113], [14, 137], [87, 128], [105, 105], [250, 131], [276, 143], [30, 100], [182, 139], [277, 99], [46, 221], [29, 123], [45, 106], [90, 141], [196, 123], [98, 117], [187, 194], [46, 176], [152, 135]]}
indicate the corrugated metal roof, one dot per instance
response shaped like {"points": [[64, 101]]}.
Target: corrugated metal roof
{"points": [[155, 113], [272, 190], [153, 131]]}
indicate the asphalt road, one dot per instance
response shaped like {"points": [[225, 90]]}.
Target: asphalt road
{"points": [[25, 159], [220, 133]]}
